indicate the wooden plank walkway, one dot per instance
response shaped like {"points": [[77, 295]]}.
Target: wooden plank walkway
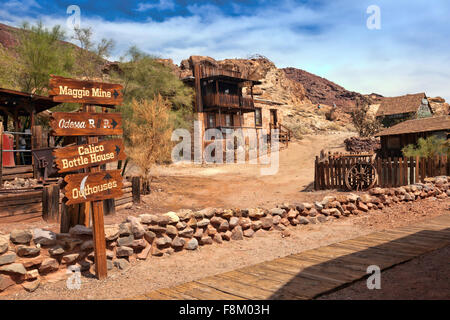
{"points": [[312, 273]]}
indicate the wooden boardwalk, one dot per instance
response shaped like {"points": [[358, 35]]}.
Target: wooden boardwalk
{"points": [[311, 273]]}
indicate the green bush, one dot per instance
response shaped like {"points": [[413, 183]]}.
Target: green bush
{"points": [[429, 147]]}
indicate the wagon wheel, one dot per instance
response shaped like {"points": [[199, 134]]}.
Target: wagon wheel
{"points": [[361, 176]]}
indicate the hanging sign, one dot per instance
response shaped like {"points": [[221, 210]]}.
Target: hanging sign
{"points": [[87, 155], [87, 92], [86, 124], [84, 187]]}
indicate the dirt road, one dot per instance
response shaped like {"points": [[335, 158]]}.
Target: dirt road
{"points": [[243, 185]]}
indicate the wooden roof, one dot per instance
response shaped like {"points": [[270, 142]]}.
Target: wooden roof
{"points": [[418, 125], [403, 104], [12, 99]]}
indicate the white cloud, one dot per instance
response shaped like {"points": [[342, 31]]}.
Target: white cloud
{"points": [[160, 5], [409, 54]]}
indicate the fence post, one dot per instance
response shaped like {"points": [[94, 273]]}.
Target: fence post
{"points": [[50, 203], [1, 154], [315, 173], [136, 189]]}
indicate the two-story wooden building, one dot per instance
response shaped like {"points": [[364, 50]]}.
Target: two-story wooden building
{"points": [[224, 100]]}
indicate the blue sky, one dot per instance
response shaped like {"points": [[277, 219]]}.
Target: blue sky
{"points": [[410, 53]]}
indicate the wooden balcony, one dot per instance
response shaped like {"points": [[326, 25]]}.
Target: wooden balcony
{"points": [[220, 100], [208, 71]]}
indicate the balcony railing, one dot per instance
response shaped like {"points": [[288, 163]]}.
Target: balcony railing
{"points": [[227, 101], [207, 71]]}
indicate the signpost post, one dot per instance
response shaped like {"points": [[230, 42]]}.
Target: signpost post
{"points": [[95, 185]]}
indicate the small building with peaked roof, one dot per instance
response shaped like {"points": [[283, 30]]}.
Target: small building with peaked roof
{"points": [[395, 138], [393, 110]]}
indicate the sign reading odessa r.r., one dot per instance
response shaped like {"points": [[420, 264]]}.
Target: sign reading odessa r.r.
{"points": [[86, 124]]}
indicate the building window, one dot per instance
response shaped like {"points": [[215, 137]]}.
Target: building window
{"points": [[211, 120], [393, 142], [258, 117], [228, 120]]}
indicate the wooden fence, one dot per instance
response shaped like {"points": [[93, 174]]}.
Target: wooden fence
{"points": [[46, 202], [330, 172]]}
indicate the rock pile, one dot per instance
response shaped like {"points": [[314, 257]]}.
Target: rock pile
{"points": [[27, 256], [357, 144], [20, 183]]}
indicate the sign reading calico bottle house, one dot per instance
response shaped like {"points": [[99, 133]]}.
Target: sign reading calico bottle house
{"points": [[89, 183]]}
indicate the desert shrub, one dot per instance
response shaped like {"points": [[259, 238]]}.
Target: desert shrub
{"points": [[149, 132], [366, 125], [429, 147], [298, 131], [334, 127]]}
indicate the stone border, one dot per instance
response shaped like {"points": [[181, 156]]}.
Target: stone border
{"points": [[27, 256]]}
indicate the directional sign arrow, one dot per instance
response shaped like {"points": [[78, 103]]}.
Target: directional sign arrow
{"points": [[117, 150], [115, 94], [107, 177], [114, 123]]}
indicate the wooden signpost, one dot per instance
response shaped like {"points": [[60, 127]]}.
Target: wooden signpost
{"points": [[95, 185]]}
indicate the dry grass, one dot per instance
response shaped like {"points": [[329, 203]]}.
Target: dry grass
{"points": [[150, 132]]}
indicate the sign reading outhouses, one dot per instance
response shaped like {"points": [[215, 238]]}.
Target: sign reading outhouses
{"points": [[89, 92], [93, 185]]}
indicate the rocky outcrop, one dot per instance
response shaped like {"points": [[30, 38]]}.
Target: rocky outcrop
{"points": [[8, 36], [439, 106], [322, 91]]}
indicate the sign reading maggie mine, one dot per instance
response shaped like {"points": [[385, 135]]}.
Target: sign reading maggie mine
{"points": [[83, 156], [86, 124], [84, 187], [89, 92]]}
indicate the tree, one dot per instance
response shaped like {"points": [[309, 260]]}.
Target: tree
{"points": [[41, 52], [366, 125], [430, 147], [90, 56], [149, 130], [144, 77], [9, 68]]}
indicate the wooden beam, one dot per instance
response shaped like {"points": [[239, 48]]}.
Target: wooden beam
{"points": [[198, 89], [1, 154]]}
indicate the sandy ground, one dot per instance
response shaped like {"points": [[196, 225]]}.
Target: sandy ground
{"points": [[186, 266]]}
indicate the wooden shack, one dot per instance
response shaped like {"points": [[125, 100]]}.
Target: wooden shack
{"points": [[44, 200], [395, 138], [393, 110], [22, 108]]}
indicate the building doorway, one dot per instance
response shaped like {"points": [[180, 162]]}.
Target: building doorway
{"points": [[273, 118]]}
